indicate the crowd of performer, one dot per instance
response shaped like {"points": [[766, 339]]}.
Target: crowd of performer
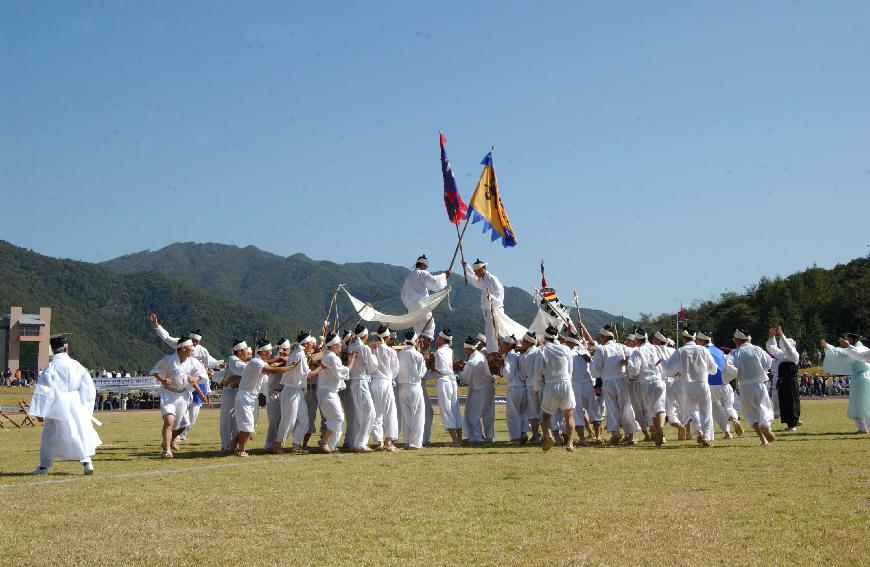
{"points": [[370, 387]]}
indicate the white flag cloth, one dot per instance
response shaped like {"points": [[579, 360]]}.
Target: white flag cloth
{"points": [[505, 326], [397, 322]]}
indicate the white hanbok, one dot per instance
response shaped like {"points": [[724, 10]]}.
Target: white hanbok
{"points": [[491, 300], [416, 288], [386, 422], [330, 382], [64, 397], [446, 389], [475, 374], [412, 368]]}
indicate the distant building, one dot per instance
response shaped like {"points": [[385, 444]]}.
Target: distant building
{"points": [[24, 339]]}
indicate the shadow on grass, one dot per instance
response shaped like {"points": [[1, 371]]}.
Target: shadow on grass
{"points": [[23, 474]]}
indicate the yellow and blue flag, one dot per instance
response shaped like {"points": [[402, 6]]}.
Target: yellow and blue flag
{"points": [[486, 206]]}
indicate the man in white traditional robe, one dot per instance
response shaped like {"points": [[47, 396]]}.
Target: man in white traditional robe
{"points": [[695, 364], [385, 428], [644, 365], [360, 388], [331, 379], [516, 406], [230, 387], [412, 368], [294, 382], [248, 397], [474, 374], [554, 368], [488, 415], [609, 364], [63, 400], [491, 296], [179, 374], [273, 388], [446, 388], [529, 351], [721, 393], [589, 404], [418, 283], [201, 354], [750, 364]]}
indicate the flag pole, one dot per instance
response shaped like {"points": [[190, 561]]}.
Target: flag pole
{"points": [[462, 235]]}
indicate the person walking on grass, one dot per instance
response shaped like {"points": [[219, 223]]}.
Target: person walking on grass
{"points": [[749, 365], [554, 369], [179, 374], [63, 400]]}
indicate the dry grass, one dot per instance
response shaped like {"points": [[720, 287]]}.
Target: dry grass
{"points": [[803, 501]]}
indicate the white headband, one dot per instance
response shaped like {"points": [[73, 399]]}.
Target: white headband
{"points": [[509, 340], [738, 334], [573, 339], [661, 337], [478, 265], [265, 347], [529, 338], [334, 341], [550, 335], [385, 334], [605, 333], [447, 338], [362, 333], [308, 340], [702, 336], [423, 260], [185, 343], [469, 345], [412, 339], [687, 335], [240, 346], [481, 337], [286, 344], [195, 337]]}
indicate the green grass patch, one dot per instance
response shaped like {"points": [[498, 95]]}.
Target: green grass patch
{"points": [[802, 501]]}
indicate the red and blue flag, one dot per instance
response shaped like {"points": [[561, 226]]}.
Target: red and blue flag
{"points": [[456, 209]]}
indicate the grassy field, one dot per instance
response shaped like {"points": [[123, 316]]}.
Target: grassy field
{"points": [[803, 501]]}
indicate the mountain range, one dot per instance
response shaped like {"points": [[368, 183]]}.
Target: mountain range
{"points": [[225, 291]]}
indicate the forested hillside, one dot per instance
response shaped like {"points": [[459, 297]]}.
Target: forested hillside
{"points": [[106, 314], [300, 288], [810, 305]]}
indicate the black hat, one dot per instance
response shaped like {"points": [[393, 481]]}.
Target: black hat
{"points": [[57, 342]]}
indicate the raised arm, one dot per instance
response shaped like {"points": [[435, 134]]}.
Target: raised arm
{"points": [[162, 333]]}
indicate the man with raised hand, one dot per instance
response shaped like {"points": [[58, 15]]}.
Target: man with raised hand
{"points": [[416, 288], [179, 374], [695, 363], [749, 365], [201, 354], [784, 351], [63, 400], [491, 296]]}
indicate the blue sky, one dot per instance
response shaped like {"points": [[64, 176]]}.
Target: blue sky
{"points": [[650, 153]]}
